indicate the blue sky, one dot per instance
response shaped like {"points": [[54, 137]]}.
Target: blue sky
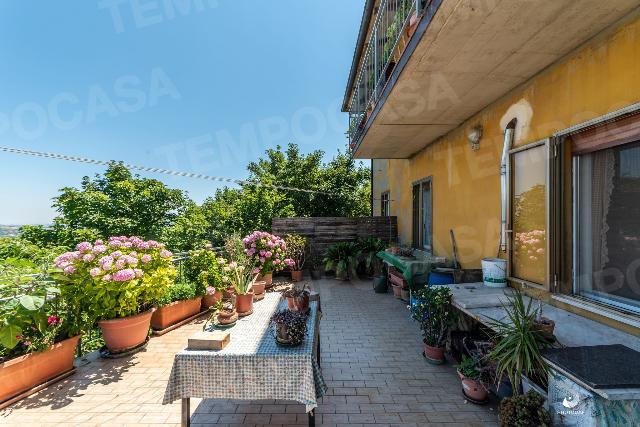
{"points": [[194, 85]]}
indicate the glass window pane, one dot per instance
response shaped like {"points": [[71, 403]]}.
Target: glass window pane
{"points": [[529, 261], [608, 257], [426, 215]]}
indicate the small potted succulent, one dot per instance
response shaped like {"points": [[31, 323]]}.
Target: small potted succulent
{"points": [[267, 252], [296, 254], [226, 313], [472, 385], [290, 327], [117, 283], [298, 298], [436, 315]]}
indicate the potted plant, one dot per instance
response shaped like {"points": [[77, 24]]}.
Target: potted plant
{"points": [[526, 410], [544, 324], [240, 274], [226, 313], [203, 268], [316, 267], [298, 298], [296, 254], [290, 327], [436, 315], [267, 252], [180, 301], [36, 342], [518, 343], [116, 282], [343, 257], [472, 385], [369, 248]]}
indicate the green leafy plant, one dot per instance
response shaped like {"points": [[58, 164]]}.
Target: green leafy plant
{"points": [[291, 326], [369, 248], [30, 309], [296, 250], [203, 268], [240, 272], [178, 292], [468, 368], [435, 313], [343, 257], [518, 342], [524, 410]]}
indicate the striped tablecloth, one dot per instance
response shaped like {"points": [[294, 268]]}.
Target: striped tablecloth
{"points": [[252, 366]]}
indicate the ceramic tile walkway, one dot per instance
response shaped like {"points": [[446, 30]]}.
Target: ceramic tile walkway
{"points": [[370, 358]]}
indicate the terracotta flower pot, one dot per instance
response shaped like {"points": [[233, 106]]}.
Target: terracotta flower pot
{"points": [[301, 303], [397, 291], [473, 389], [258, 287], [291, 304], [434, 355], [244, 303], [267, 278], [27, 371], [228, 293], [127, 332], [175, 312], [211, 300], [546, 325], [227, 317], [405, 294], [296, 275]]}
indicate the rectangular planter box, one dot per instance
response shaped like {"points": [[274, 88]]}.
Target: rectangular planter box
{"points": [[30, 370], [167, 315]]}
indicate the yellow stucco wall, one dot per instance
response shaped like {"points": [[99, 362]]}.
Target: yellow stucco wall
{"points": [[600, 77]]}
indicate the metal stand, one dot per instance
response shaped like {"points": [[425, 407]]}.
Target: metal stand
{"points": [[312, 418], [186, 412]]}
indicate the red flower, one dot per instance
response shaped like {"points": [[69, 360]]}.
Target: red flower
{"points": [[52, 320]]}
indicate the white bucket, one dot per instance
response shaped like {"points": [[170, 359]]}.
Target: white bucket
{"points": [[494, 272]]}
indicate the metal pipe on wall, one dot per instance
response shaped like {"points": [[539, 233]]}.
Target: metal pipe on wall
{"points": [[504, 182]]}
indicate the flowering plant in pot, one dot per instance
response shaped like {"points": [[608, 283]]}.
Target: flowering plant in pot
{"points": [[290, 327], [180, 301], [296, 252], [117, 283], [436, 315], [36, 342], [267, 252], [240, 274]]}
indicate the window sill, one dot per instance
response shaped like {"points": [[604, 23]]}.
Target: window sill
{"points": [[610, 313]]}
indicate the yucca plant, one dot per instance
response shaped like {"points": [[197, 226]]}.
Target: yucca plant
{"points": [[518, 342], [343, 257]]}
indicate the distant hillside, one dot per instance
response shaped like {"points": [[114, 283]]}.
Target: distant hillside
{"points": [[9, 230]]}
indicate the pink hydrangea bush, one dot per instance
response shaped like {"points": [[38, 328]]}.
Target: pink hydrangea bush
{"points": [[267, 252], [118, 278]]}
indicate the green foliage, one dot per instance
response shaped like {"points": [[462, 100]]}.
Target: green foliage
{"points": [[119, 203], [178, 291], [204, 268], [29, 309], [296, 249], [524, 411], [519, 341], [343, 257], [19, 248], [190, 230], [435, 313], [369, 247], [468, 368], [239, 272]]}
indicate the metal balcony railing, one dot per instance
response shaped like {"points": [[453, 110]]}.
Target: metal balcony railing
{"points": [[386, 42]]}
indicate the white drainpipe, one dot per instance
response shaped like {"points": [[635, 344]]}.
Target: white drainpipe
{"points": [[504, 183]]}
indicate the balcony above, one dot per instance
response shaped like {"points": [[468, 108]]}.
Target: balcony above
{"points": [[441, 61]]}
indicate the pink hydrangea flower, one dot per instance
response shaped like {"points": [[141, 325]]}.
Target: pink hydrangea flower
{"points": [[70, 269], [120, 264], [124, 275], [98, 249], [210, 290], [146, 258], [84, 246], [95, 271], [138, 272], [165, 254], [88, 257], [106, 277]]}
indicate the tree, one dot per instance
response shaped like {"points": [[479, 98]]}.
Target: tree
{"points": [[119, 203]]}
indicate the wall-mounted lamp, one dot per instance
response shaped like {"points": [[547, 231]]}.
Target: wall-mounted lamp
{"points": [[473, 136]]}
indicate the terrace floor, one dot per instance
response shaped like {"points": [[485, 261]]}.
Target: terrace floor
{"points": [[371, 361]]}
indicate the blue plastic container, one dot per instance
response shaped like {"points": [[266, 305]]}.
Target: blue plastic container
{"points": [[436, 278]]}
